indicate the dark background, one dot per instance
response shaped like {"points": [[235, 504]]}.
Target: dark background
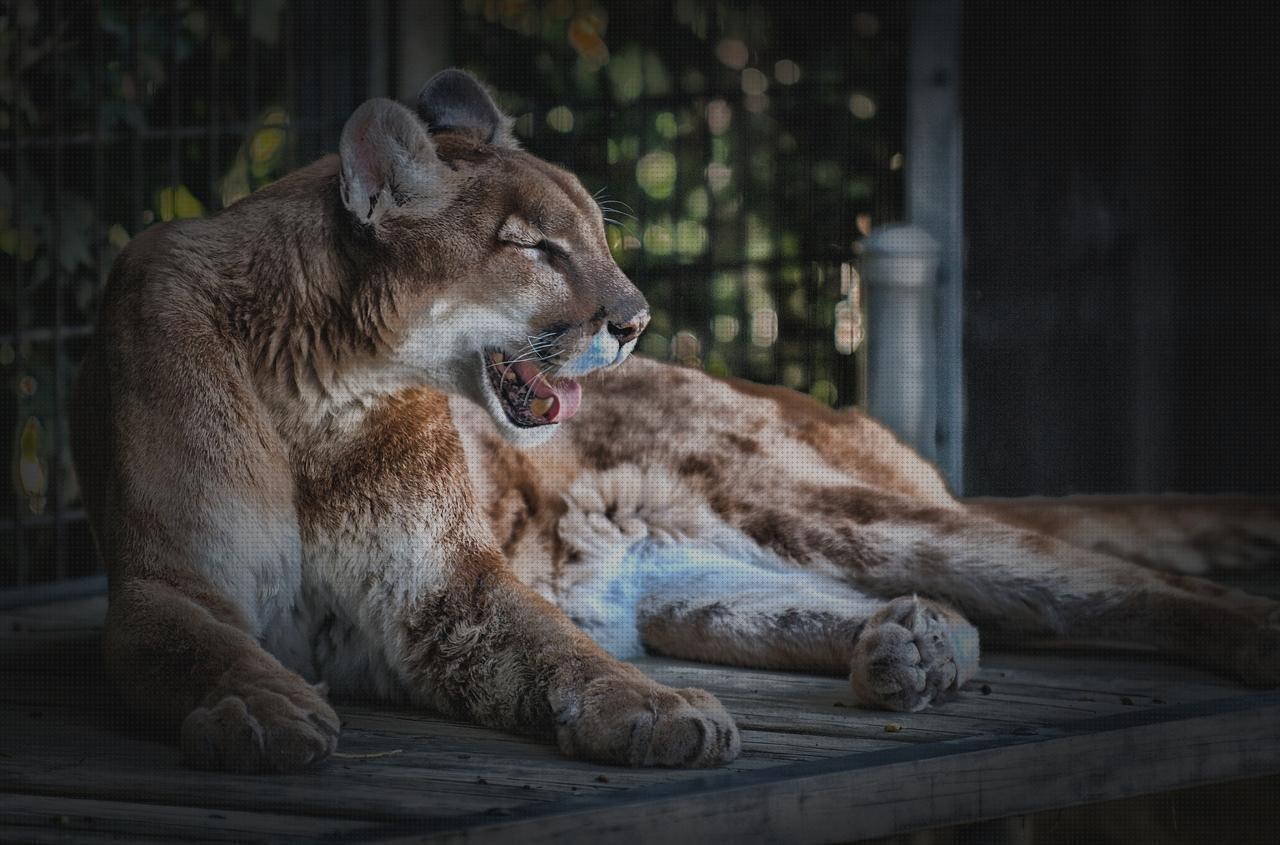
{"points": [[1121, 325]]}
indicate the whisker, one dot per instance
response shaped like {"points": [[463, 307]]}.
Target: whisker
{"points": [[619, 203], [609, 215], [540, 337], [545, 351], [538, 347], [623, 226], [532, 355], [520, 355]]}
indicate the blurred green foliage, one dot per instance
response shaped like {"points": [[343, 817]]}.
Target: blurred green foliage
{"points": [[113, 116], [740, 150]]}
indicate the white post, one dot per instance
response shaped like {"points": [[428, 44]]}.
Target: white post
{"points": [[900, 270], [934, 183]]}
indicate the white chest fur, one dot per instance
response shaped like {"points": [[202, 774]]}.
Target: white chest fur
{"points": [[347, 623]]}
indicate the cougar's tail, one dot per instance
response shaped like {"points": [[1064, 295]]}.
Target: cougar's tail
{"points": [[1193, 535]]}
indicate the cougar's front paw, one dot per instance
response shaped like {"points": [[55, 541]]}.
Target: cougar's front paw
{"points": [[272, 722], [630, 720], [912, 654]]}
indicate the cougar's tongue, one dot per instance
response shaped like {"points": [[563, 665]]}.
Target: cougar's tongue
{"points": [[565, 396]]}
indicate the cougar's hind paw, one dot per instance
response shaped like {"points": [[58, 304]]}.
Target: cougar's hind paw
{"points": [[911, 655]]}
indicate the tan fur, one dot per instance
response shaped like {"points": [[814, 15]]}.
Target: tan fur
{"points": [[275, 481], [1192, 535], [296, 474], [862, 520]]}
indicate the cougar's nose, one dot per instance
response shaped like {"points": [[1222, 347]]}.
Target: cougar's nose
{"points": [[626, 332]]}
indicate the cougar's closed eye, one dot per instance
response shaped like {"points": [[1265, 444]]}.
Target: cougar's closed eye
{"points": [[517, 232], [543, 245]]}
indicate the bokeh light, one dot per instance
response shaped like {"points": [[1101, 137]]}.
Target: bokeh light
{"points": [[733, 53], [862, 106], [786, 72], [560, 119], [656, 174]]}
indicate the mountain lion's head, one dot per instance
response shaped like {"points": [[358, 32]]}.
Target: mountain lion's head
{"points": [[505, 282]]}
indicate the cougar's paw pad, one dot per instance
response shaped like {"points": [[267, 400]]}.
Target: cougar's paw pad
{"points": [[260, 729], [633, 721], [905, 658]]}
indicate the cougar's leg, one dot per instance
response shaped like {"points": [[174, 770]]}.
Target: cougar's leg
{"points": [[489, 648], [1021, 582], [903, 654], [1192, 535], [838, 494], [191, 501], [1008, 579], [461, 634], [181, 656]]}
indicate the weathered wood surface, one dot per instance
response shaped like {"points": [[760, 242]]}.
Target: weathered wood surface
{"points": [[1033, 731]]}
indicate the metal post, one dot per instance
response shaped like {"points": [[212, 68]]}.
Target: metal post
{"points": [[900, 269], [934, 179]]}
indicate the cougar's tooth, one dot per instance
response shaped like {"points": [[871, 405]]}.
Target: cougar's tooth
{"points": [[541, 406]]}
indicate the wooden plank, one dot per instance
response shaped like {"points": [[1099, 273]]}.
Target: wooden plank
{"points": [[75, 818], [883, 793], [804, 755], [87, 610], [824, 706], [54, 592], [23, 835], [484, 746], [768, 704], [64, 752], [518, 764], [48, 753], [1120, 667], [1118, 673]]}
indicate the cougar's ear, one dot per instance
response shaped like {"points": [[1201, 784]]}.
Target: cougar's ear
{"points": [[389, 162], [455, 101]]}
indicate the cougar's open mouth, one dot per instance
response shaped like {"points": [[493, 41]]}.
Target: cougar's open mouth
{"points": [[529, 398]]}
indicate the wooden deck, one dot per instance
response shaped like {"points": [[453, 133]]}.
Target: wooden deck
{"points": [[1056, 728]]}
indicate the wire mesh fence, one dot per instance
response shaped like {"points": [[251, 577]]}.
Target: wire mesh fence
{"points": [[115, 116], [741, 151]]}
